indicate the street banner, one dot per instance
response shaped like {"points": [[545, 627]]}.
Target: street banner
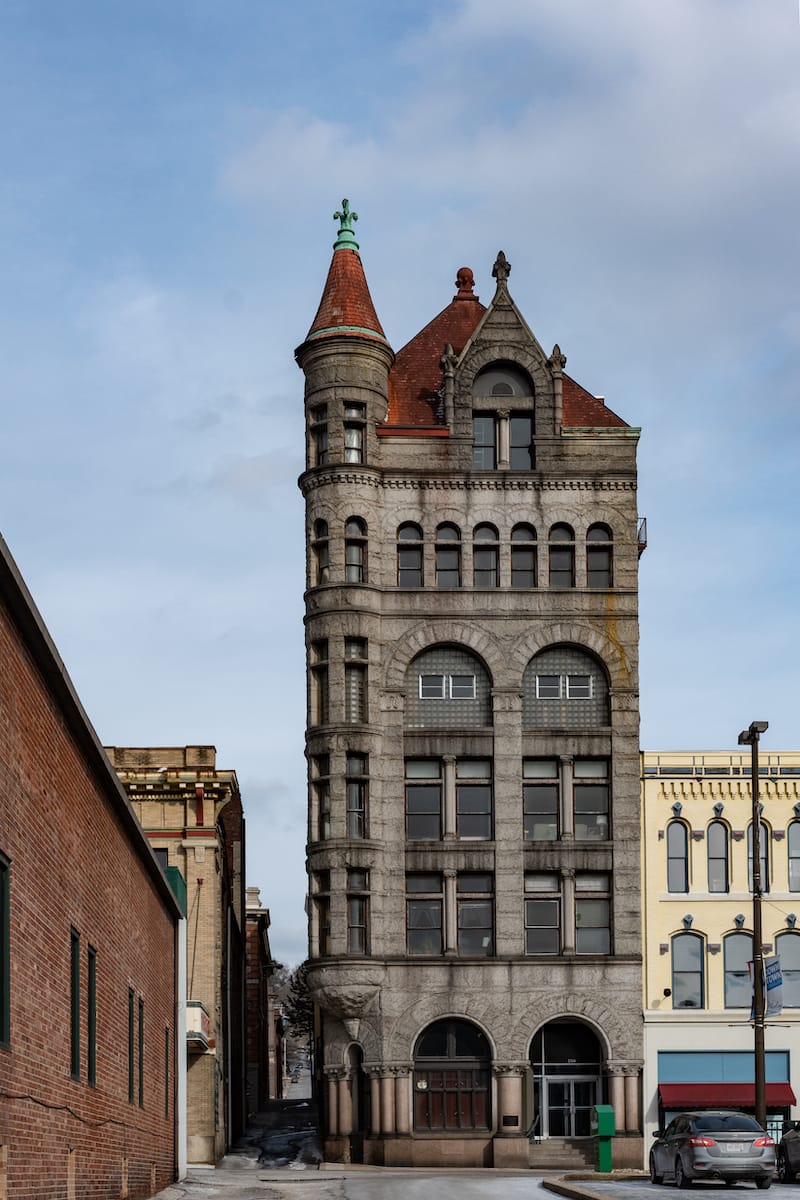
{"points": [[774, 986]]}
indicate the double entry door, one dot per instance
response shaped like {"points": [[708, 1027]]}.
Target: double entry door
{"points": [[568, 1104]]}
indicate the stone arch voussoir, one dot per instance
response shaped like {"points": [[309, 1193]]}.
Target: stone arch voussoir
{"points": [[454, 632]]}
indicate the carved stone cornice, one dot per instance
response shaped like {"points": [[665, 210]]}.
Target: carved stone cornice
{"points": [[498, 483]]}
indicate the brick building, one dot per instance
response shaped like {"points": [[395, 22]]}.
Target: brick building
{"points": [[264, 1033], [87, 944], [192, 814], [472, 741]]}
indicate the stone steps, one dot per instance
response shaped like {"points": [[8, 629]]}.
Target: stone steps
{"points": [[569, 1154]]}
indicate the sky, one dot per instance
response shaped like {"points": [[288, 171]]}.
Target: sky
{"points": [[169, 176]]}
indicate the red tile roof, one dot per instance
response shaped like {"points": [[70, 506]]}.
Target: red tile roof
{"points": [[346, 306], [416, 377]]}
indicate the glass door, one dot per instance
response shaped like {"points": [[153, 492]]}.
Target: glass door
{"points": [[568, 1106]]}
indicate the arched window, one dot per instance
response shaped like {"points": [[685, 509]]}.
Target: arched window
{"points": [[688, 975], [787, 947], [598, 557], [503, 436], [320, 548], [793, 851], [452, 1078], [564, 687], [717, 854], [448, 556], [355, 550], [409, 556], [677, 857], [448, 688], [562, 557], [485, 557], [738, 949], [763, 847], [523, 556]]}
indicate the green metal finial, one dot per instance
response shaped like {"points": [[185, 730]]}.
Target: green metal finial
{"points": [[346, 239]]}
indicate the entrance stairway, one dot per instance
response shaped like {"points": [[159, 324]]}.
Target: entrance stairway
{"points": [[568, 1154]]}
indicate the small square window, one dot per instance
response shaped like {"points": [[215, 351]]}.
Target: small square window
{"points": [[432, 687], [462, 687], [579, 687], [548, 687]]}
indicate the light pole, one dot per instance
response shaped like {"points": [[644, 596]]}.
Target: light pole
{"points": [[749, 737]]}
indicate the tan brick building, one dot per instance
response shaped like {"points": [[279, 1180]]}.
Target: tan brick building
{"points": [[88, 932], [192, 814], [472, 640]]}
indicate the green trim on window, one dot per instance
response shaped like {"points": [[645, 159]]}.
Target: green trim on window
{"points": [[75, 1004], [5, 951], [91, 1017]]}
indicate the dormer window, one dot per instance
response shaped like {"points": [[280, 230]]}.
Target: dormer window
{"points": [[502, 431]]}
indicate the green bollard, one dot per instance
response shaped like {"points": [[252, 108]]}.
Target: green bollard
{"points": [[603, 1128]]}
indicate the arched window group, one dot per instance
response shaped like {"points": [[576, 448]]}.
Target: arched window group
{"points": [[689, 951], [495, 562], [355, 551], [715, 877]]}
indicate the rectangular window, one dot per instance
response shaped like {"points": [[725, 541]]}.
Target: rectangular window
{"points": [[521, 439], [5, 951], [320, 698], [75, 1004], [473, 800], [141, 1052], [579, 687], [357, 911], [424, 906], [432, 687], [166, 1070], [443, 687], [357, 793], [540, 800], [131, 1043], [91, 1016], [354, 417], [475, 903], [162, 855], [321, 794], [592, 913], [542, 913], [591, 799], [423, 800], [322, 905], [462, 687], [319, 436], [484, 442], [548, 687], [355, 693]]}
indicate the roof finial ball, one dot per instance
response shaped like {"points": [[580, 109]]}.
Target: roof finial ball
{"points": [[465, 281], [346, 239]]}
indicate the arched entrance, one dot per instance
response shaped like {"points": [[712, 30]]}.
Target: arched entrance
{"points": [[566, 1059], [452, 1076]]}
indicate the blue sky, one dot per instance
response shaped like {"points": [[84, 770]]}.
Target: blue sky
{"points": [[170, 172]]}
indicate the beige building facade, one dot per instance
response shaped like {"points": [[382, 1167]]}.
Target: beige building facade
{"points": [[192, 814], [698, 930], [472, 743]]}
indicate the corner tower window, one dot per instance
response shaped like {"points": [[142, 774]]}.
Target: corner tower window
{"points": [[318, 442], [355, 550], [354, 421], [320, 549]]}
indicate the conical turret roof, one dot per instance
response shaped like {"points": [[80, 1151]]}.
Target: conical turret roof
{"points": [[346, 306]]}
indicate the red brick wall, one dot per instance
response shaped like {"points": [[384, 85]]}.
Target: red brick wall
{"points": [[75, 865]]}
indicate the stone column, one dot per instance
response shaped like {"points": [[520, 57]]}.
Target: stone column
{"points": [[616, 1097], [632, 1115], [568, 916], [333, 1101], [345, 1107], [374, 1101], [509, 1098], [402, 1100], [503, 438], [450, 924], [566, 814], [449, 797], [387, 1104]]}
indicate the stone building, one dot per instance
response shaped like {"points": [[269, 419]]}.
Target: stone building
{"points": [[473, 716], [192, 813], [88, 933], [698, 930], [264, 1028]]}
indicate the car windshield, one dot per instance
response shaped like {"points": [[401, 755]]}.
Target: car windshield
{"points": [[727, 1123]]}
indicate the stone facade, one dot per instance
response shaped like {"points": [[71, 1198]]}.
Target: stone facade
{"points": [[192, 814], [472, 630]]}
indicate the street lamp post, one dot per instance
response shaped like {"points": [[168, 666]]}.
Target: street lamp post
{"points": [[749, 737]]}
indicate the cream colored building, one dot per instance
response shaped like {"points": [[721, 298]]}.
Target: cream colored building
{"points": [[698, 914], [192, 814]]}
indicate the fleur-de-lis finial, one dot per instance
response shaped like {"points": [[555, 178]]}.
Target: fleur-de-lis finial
{"points": [[346, 236]]}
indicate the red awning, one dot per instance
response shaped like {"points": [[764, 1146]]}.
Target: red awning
{"points": [[722, 1095]]}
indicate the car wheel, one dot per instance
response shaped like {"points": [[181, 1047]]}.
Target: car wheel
{"points": [[763, 1183], [682, 1180], [785, 1172], [654, 1175]]}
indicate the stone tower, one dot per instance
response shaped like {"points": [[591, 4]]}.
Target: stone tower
{"points": [[471, 629]]}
